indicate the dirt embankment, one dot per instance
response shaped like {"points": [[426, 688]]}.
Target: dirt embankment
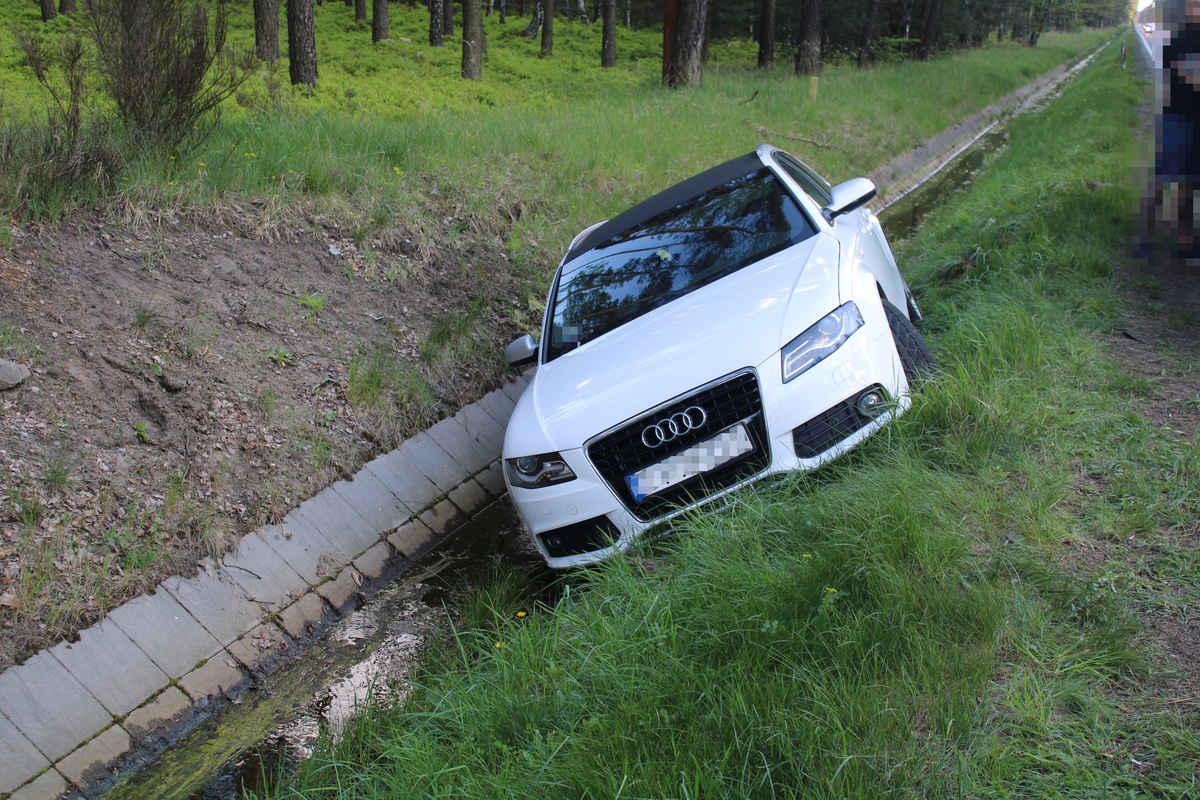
{"points": [[189, 384]]}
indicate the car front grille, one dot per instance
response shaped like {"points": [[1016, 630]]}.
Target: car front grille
{"points": [[831, 426], [731, 400]]}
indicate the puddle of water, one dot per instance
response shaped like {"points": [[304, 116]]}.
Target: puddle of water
{"points": [[365, 655], [900, 218]]}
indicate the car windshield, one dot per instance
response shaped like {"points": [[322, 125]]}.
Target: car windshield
{"points": [[660, 260]]}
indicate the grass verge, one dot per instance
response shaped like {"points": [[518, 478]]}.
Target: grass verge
{"points": [[917, 617]]}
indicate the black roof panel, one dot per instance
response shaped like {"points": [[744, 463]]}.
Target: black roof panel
{"points": [[666, 200]]}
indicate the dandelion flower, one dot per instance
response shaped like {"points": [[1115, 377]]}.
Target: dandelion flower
{"points": [[521, 615]]}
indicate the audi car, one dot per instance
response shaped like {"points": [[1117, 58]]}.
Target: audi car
{"points": [[746, 322]]}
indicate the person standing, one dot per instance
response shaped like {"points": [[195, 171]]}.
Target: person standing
{"points": [[1178, 162]]}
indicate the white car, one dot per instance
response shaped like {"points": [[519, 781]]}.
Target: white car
{"points": [[748, 321]]}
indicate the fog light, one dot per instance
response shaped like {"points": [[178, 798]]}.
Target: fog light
{"points": [[871, 403]]}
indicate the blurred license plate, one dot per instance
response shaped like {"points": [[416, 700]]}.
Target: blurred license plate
{"points": [[696, 460]]}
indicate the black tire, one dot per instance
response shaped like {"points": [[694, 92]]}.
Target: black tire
{"points": [[915, 358]]}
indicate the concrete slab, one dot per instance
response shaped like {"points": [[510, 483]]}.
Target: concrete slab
{"points": [[218, 675], [49, 706], [344, 527], [367, 495], [304, 616], [89, 763], [111, 667], [259, 646], [498, 405], [157, 717], [466, 451], [49, 786], [166, 632], [375, 562], [412, 539], [217, 603], [492, 479], [434, 462], [263, 574], [482, 428], [340, 591], [443, 518], [470, 497], [19, 759], [302, 546], [404, 479], [515, 388]]}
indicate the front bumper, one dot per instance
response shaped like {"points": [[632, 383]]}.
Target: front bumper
{"points": [[559, 517]]}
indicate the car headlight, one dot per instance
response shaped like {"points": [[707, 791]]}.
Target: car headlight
{"points": [[533, 472], [819, 341]]}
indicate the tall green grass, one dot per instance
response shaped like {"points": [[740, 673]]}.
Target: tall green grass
{"points": [[906, 621]]}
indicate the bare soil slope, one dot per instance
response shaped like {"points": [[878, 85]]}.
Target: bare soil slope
{"points": [[189, 384]]}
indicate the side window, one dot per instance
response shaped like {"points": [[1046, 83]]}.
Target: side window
{"points": [[809, 181]]}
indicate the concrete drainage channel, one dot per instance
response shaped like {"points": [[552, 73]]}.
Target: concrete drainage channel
{"points": [[77, 715], [184, 665], [361, 657]]}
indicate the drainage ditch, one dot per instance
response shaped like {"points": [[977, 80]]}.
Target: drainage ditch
{"points": [[244, 745]]}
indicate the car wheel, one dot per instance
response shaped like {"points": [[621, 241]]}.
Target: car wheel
{"points": [[915, 357]]}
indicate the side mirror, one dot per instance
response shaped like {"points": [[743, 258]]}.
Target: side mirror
{"points": [[848, 196], [521, 351]]}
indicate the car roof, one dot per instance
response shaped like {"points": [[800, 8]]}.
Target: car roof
{"points": [[666, 200]]}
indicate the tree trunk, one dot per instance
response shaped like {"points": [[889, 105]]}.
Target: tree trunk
{"points": [[503, 12], [66, 6], [1039, 19], [535, 24], [448, 17], [491, 3], [670, 25], [435, 23], [547, 27], [49, 12], [266, 30], [472, 43], [628, 13], [302, 42], [583, 17], [868, 34], [808, 54], [766, 35], [608, 38], [929, 36], [686, 66], [360, 10], [379, 20]]}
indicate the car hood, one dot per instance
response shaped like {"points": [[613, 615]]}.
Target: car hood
{"points": [[739, 321]]}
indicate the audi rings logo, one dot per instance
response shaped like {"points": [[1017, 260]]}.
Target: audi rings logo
{"points": [[673, 426]]}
